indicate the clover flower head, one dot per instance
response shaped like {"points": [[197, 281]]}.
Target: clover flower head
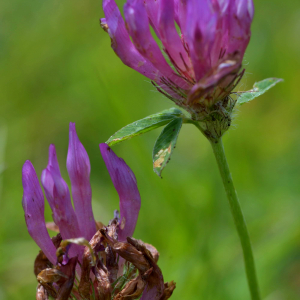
{"points": [[203, 44], [87, 260]]}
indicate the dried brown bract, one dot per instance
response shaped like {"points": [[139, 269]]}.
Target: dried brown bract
{"points": [[41, 293], [108, 269]]}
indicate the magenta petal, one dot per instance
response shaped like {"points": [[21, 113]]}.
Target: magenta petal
{"points": [[240, 14], [126, 186], [46, 178], [58, 195], [33, 205], [138, 26], [122, 44], [200, 34], [78, 165], [170, 38]]}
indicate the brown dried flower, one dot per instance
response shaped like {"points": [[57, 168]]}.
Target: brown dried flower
{"points": [[107, 270]]}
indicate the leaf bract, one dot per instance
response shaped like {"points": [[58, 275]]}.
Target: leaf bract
{"points": [[165, 144], [144, 125], [259, 88]]}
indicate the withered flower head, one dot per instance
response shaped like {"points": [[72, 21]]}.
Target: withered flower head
{"points": [[82, 262]]}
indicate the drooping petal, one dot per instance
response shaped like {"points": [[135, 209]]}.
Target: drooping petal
{"points": [[33, 205], [78, 165], [126, 186], [125, 49], [121, 43], [58, 196], [138, 26]]}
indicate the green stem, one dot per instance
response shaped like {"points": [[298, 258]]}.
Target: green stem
{"points": [[239, 220]]}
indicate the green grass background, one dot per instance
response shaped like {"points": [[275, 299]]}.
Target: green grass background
{"points": [[56, 66]]}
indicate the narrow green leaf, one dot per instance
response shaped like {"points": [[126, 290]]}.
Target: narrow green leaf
{"points": [[259, 88], [165, 144], [144, 125]]}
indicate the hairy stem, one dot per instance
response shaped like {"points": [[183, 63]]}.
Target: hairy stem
{"points": [[238, 217]]}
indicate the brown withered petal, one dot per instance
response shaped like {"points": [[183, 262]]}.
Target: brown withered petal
{"points": [[168, 291], [131, 254], [128, 252], [153, 250], [50, 289], [155, 282], [132, 290], [41, 262], [50, 275], [111, 264], [103, 284], [41, 293], [57, 240], [84, 284], [95, 239], [112, 228], [66, 288], [110, 255]]}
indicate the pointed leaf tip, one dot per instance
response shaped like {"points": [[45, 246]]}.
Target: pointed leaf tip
{"points": [[144, 125], [259, 88], [165, 144]]}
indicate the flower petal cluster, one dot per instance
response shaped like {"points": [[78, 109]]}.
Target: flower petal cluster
{"points": [[87, 260], [203, 43], [78, 221]]}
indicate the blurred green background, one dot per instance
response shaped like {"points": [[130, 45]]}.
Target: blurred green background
{"points": [[56, 66]]}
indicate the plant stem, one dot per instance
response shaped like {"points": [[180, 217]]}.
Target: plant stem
{"points": [[239, 220]]}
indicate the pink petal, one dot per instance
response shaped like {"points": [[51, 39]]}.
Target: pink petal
{"points": [[170, 38], [200, 34], [122, 44], [240, 14], [138, 26], [78, 165], [152, 8], [57, 193], [126, 186], [33, 205]]}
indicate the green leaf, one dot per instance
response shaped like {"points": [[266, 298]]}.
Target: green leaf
{"points": [[165, 144], [144, 125], [259, 88]]}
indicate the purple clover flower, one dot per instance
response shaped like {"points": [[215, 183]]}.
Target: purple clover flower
{"points": [[203, 44], [105, 262], [78, 222]]}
